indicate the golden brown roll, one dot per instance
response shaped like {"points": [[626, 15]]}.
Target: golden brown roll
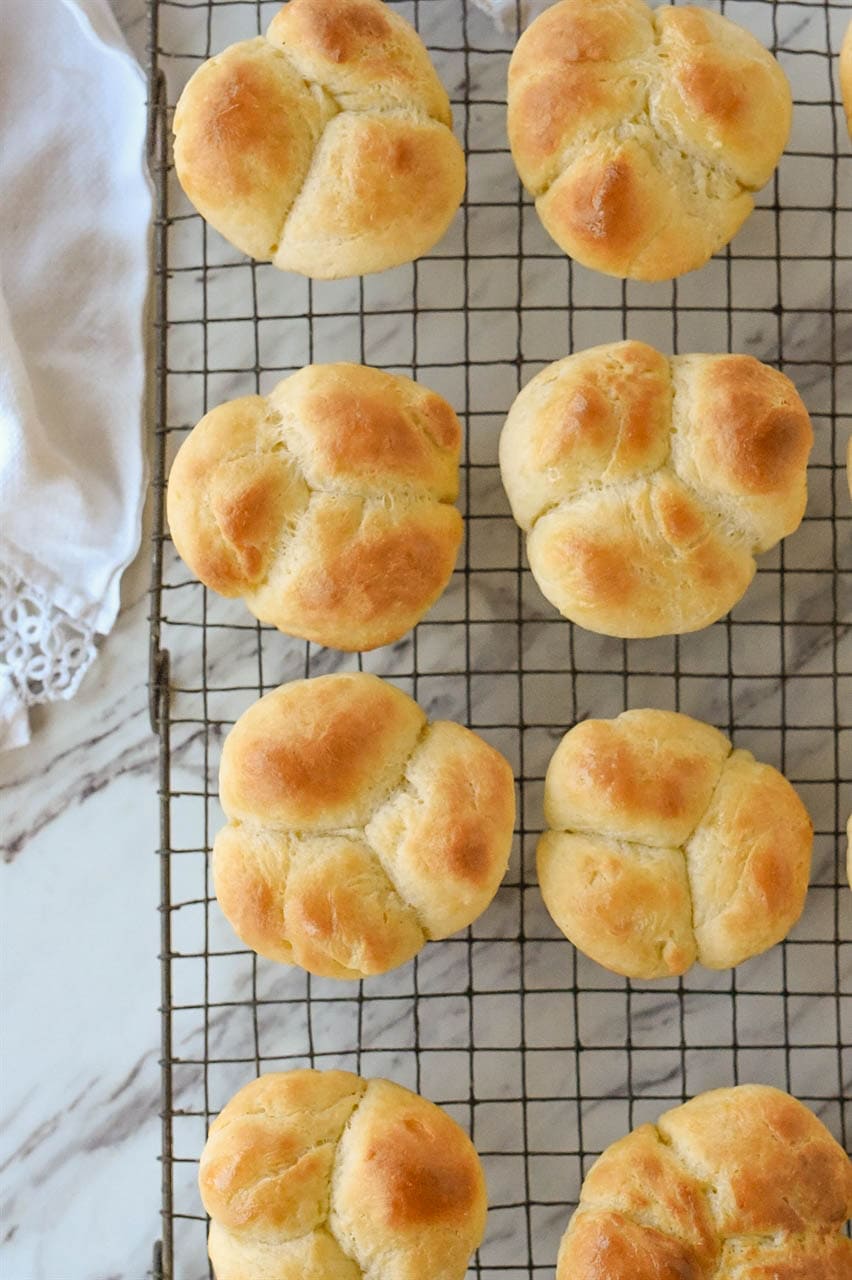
{"points": [[326, 505], [846, 76], [325, 147], [643, 134], [321, 1175], [646, 485], [666, 846], [358, 829], [738, 1184]]}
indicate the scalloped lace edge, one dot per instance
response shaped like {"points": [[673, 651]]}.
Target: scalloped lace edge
{"points": [[44, 651]]}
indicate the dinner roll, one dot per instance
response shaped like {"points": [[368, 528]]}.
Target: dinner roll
{"points": [[642, 133], [646, 484], [846, 76], [325, 146], [358, 829], [667, 846], [320, 1175], [326, 505], [738, 1184]]}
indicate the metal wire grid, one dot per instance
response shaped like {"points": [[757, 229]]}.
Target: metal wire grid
{"points": [[543, 1056]]}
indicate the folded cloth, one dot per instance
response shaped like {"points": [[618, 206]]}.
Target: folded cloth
{"points": [[74, 266]]}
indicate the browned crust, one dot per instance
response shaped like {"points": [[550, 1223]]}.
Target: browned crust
{"points": [[383, 189], [339, 30], [325, 147], [269, 1156], [743, 1182], [417, 1175], [245, 134], [322, 1173], [326, 505], [604, 210], [314, 752], [646, 771], [365, 576], [647, 485], [756, 433], [749, 863], [342, 916], [666, 847], [626, 909], [613, 411], [357, 830], [362, 51], [421, 1177], [774, 1164], [609, 1246], [445, 837], [642, 133], [247, 126], [646, 564], [368, 432], [645, 1177]]}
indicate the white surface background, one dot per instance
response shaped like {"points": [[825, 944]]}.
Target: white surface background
{"points": [[78, 918], [79, 1128]]}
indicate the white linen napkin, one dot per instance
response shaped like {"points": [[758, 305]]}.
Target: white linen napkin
{"points": [[74, 243]]}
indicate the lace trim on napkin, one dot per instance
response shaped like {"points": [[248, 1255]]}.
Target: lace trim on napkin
{"points": [[43, 650]]}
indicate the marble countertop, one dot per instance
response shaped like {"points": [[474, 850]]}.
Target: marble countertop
{"points": [[80, 976], [81, 1133]]}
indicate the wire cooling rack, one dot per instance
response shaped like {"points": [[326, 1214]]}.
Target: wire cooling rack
{"points": [[544, 1057]]}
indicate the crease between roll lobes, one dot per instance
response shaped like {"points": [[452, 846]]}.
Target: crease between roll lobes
{"points": [[737, 1184], [325, 147], [357, 828], [322, 1175], [326, 505], [647, 484], [642, 133], [667, 846]]}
